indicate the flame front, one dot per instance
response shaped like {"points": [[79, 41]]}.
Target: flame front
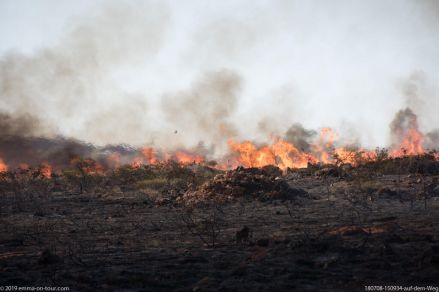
{"points": [[280, 153], [188, 158], [411, 144]]}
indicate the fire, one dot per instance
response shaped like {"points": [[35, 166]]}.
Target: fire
{"points": [[289, 156], [113, 160], [187, 158], [280, 153], [137, 162], [88, 166], [410, 145], [46, 169], [323, 149], [354, 157], [328, 137], [150, 155], [3, 166], [286, 155]]}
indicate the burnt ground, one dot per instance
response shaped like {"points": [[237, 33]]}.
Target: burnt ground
{"points": [[343, 235]]}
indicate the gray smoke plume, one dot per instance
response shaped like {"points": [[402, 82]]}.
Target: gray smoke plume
{"points": [[431, 140], [300, 137], [403, 121], [412, 89], [297, 62], [204, 111], [69, 84], [19, 125]]}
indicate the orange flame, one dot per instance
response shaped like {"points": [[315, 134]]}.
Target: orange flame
{"points": [[46, 169], [280, 153], [137, 162], [88, 166], [187, 158], [328, 137], [150, 155], [410, 145], [354, 157], [3, 166]]}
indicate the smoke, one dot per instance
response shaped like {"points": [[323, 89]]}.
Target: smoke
{"points": [[412, 90], [144, 72], [431, 139], [205, 110], [68, 84], [417, 94], [403, 121], [300, 137], [23, 125]]}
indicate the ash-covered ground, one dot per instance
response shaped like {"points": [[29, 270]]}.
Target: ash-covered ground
{"points": [[170, 227]]}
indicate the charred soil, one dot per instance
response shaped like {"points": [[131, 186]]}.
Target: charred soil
{"points": [[175, 228]]}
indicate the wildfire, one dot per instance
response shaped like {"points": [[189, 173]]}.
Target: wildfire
{"points": [[187, 158], [286, 155], [410, 145], [283, 153], [328, 137], [3, 166], [280, 153], [46, 169], [353, 157], [137, 162], [88, 166], [149, 155]]}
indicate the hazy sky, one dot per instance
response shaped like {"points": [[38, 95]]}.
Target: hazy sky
{"points": [[135, 71]]}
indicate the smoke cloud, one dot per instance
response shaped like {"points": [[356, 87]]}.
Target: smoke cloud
{"points": [[170, 75], [205, 110], [301, 137], [69, 86]]}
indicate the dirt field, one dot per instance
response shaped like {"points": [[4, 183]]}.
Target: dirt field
{"points": [[342, 235]]}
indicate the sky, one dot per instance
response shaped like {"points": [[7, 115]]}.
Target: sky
{"points": [[174, 73]]}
